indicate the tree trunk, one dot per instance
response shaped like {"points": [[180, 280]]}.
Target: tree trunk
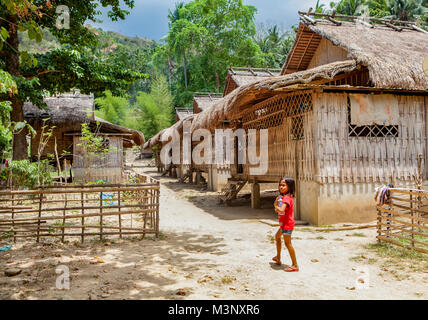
{"points": [[185, 68], [19, 146]]}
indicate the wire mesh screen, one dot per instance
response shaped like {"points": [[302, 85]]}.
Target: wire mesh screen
{"points": [[373, 130]]}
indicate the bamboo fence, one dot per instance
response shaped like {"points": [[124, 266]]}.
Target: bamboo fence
{"points": [[403, 220], [81, 211]]}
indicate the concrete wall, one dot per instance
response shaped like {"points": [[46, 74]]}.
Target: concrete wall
{"points": [[322, 204], [307, 202]]}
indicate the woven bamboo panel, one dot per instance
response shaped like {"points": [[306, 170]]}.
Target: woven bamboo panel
{"points": [[381, 158], [289, 119]]}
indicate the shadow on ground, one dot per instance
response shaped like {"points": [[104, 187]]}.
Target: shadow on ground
{"points": [[131, 268], [209, 202]]}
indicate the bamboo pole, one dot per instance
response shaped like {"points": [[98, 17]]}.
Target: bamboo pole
{"points": [[101, 216], [47, 227], [119, 215], [410, 231], [401, 222], [402, 245], [86, 234], [13, 218], [87, 208], [40, 215], [63, 220], [83, 216], [402, 214], [86, 190], [413, 221], [46, 202], [157, 192]]}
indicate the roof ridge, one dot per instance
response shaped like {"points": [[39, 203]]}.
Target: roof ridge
{"points": [[396, 25]]}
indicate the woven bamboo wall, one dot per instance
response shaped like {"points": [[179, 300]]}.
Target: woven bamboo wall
{"points": [[289, 119], [342, 158]]}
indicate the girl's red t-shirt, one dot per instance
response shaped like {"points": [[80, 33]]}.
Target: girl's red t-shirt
{"points": [[286, 219]]}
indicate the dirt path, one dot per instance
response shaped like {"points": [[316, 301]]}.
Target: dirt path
{"points": [[207, 251]]}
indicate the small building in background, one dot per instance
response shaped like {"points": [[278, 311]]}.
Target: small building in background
{"points": [[66, 113], [239, 76]]}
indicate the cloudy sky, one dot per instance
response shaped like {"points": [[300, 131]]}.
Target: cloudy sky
{"points": [[148, 18]]}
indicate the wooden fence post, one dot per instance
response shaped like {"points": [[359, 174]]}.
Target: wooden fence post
{"points": [[120, 217], [83, 212], [379, 225], [63, 220], [13, 218], [40, 214], [101, 215]]}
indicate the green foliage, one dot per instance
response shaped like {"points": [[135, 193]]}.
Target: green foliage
{"points": [[73, 66], [406, 10], [26, 174], [275, 44], [91, 142], [64, 69], [111, 108], [205, 36], [348, 7], [7, 88], [154, 108]]}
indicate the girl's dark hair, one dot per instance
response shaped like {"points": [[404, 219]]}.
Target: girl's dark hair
{"points": [[290, 184]]}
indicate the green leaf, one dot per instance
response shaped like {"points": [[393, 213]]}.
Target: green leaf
{"points": [[19, 125]]}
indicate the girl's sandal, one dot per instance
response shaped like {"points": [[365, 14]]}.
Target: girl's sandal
{"points": [[278, 262], [291, 269]]}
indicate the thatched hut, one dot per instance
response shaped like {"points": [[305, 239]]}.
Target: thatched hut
{"points": [[181, 113], [204, 100], [238, 76], [347, 113], [66, 113]]}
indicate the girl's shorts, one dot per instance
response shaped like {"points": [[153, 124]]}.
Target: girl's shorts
{"points": [[289, 232]]}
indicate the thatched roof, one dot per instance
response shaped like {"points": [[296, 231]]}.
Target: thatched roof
{"points": [[239, 76], [257, 91], [166, 134], [394, 59], [204, 100], [183, 112], [70, 110]]}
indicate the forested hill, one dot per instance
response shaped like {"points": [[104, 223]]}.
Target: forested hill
{"points": [[109, 42]]}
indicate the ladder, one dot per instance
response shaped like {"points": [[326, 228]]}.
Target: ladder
{"points": [[231, 190], [186, 176]]}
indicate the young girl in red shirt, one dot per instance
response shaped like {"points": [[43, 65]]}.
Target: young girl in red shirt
{"points": [[284, 207]]}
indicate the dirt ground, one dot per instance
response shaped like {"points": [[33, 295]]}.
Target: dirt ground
{"points": [[210, 251]]}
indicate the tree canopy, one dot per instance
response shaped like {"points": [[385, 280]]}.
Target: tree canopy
{"points": [[72, 66]]}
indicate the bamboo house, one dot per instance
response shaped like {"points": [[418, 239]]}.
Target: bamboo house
{"points": [[238, 76], [66, 113], [347, 113]]}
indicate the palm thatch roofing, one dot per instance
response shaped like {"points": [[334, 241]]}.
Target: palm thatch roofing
{"points": [[239, 76], [181, 113], [166, 134], [204, 100], [394, 59], [68, 111], [260, 90]]}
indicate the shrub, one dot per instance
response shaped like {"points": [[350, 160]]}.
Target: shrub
{"points": [[25, 174]]}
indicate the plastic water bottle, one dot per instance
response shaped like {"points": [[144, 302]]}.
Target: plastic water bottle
{"points": [[280, 201]]}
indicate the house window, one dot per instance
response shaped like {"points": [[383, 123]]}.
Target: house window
{"points": [[366, 116]]}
